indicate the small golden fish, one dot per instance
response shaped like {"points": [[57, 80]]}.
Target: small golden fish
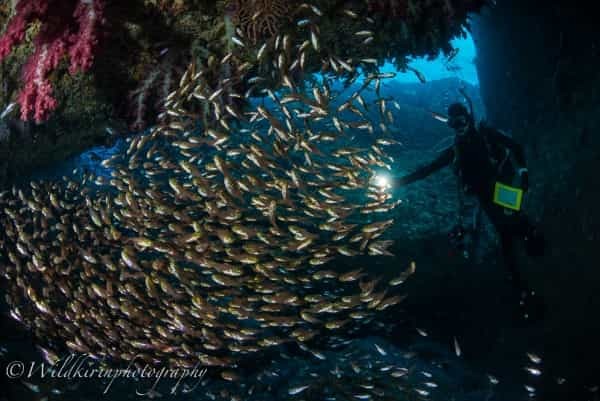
{"points": [[534, 358], [457, 349]]}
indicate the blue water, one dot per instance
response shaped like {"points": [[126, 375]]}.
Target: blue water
{"points": [[461, 66]]}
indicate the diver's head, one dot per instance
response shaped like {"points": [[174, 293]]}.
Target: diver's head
{"points": [[459, 118]]}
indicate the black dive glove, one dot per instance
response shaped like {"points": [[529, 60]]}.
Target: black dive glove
{"points": [[398, 182]]}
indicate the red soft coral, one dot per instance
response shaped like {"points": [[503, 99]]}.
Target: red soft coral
{"points": [[26, 11], [89, 14], [68, 27], [36, 97]]}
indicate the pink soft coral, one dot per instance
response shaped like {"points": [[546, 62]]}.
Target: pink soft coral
{"points": [[68, 27], [90, 15]]}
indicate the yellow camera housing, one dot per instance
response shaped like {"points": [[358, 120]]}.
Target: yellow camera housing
{"points": [[507, 196]]}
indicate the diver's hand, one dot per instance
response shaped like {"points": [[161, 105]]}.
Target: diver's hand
{"points": [[399, 182]]}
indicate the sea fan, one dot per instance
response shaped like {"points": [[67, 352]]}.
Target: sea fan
{"points": [[259, 19]]}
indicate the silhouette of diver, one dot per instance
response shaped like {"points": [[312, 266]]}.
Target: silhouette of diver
{"points": [[481, 157]]}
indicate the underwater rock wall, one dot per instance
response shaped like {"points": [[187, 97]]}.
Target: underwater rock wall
{"points": [[538, 68], [86, 121], [143, 46]]}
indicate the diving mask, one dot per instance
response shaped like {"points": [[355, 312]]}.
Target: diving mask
{"points": [[458, 123]]}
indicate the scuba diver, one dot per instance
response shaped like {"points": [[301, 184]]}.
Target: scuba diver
{"points": [[486, 162]]}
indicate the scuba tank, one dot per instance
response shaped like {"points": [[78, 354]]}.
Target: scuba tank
{"points": [[508, 186]]}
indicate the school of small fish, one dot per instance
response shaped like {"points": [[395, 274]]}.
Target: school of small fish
{"points": [[216, 234], [354, 372]]}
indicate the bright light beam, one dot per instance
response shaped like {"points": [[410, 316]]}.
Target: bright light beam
{"points": [[382, 181]]}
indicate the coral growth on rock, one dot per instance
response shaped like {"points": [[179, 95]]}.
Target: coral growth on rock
{"points": [[259, 19], [172, 7], [61, 34], [160, 78], [393, 8], [66, 28], [413, 8], [418, 27]]}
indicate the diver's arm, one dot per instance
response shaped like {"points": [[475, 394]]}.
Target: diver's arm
{"points": [[442, 160]]}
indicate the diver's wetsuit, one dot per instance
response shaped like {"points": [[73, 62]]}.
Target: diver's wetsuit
{"points": [[480, 159]]}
